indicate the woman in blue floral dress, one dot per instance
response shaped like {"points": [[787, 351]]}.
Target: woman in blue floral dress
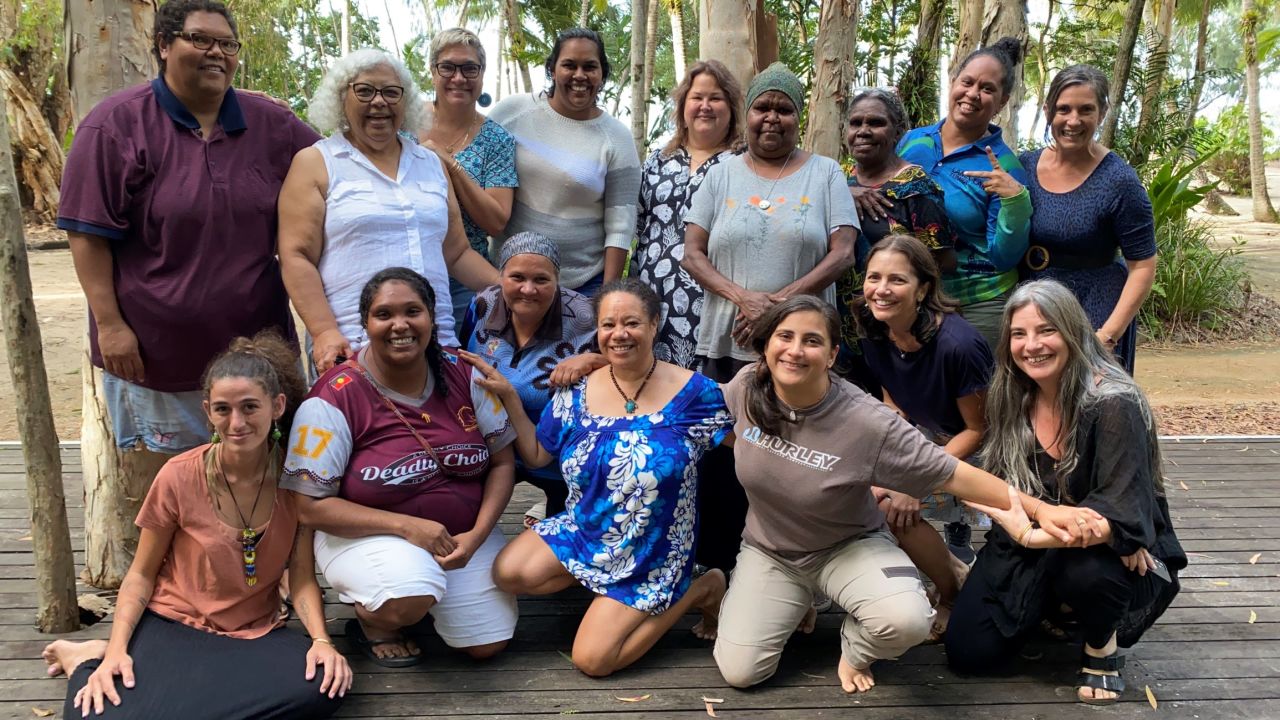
{"points": [[628, 438]]}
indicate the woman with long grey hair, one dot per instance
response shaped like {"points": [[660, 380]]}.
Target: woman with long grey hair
{"points": [[1067, 425]]}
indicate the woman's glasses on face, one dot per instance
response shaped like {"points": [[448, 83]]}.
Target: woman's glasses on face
{"points": [[205, 42], [365, 92], [469, 71]]}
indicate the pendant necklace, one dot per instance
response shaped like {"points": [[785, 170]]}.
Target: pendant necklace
{"points": [[631, 401], [764, 203], [461, 142], [248, 538]]}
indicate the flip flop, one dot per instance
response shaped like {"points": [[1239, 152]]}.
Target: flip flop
{"points": [[355, 633]]}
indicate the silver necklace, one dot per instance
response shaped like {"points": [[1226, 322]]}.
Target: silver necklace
{"points": [[764, 203]]}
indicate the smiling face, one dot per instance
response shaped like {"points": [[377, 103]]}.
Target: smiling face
{"points": [[870, 134], [976, 94], [706, 112], [241, 412], [1074, 118], [399, 325], [578, 77], [373, 124], [893, 290], [199, 73], [800, 352], [457, 90], [1036, 346], [529, 286], [773, 125], [624, 330]]}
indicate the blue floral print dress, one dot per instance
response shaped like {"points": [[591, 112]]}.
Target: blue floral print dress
{"points": [[628, 527]]}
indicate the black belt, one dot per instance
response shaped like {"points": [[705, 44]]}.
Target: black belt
{"points": [[1039, 258]]}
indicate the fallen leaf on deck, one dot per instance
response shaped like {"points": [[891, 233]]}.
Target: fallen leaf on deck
{"points": [[41, 712], [711, 707], [1183, 485], [815, 677], [566, 656], [1173, 462], [1151, 698], [637, 698], [1253, 617], [1254, 560], [25, 538], [1221, 583]]}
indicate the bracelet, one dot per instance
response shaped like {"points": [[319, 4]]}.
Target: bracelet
{"points": [[326, 641], [1037, 508], [1025, 532]]}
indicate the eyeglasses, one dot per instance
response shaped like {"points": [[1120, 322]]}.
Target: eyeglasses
{"points": [[470, 71], [205, 42], [365, 92]]}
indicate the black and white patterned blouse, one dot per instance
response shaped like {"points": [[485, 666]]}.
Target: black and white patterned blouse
{"points": [[666, 191]]}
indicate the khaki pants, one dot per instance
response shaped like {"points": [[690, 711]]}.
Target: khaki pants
{"points": [[870, 577]]}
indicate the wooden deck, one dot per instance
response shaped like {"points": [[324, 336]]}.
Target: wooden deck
{"points": [[1205, 659]]}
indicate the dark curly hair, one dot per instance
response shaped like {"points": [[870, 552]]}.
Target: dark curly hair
{"points": [[578, 33], [425, 293], [1007, 51], [172, 17], [648, 298]]}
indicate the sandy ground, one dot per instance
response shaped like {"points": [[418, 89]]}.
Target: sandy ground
{"points": [[1197, 389]]}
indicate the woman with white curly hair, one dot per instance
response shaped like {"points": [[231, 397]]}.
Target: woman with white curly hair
{"points": [[364, 199]]}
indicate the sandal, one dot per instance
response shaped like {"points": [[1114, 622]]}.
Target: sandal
{"points": [[1111, 683], [355, 633], [535, 514]]}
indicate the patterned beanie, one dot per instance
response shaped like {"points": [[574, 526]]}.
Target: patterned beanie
{"points": [[529, 243], [777, 77]]}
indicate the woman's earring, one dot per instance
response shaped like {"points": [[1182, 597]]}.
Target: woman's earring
{"points": [[275, 433], [485, 99], [215, 438]]}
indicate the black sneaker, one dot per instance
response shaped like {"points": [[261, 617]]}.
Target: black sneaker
{"points": [[958, 535]]}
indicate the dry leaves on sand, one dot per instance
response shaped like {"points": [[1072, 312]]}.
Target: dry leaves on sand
{"points": [[637, 698], [711, 705], [1151, 698]]}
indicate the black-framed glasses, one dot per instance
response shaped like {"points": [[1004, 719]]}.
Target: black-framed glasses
{"points": [[204, 42], [365, 92], [470, 71]]}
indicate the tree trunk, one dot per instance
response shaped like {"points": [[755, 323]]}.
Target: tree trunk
{"points": [[1262, 208], [1198, 75], [583, 12], [1042, 64], [739, 34], [1157, 66], [969, 33], [511, 14], [1009, 18], [833, 77], [675, 11], [108, 48], [1123, 68], [640, 29], [36, 151], [56, 609], [919, 83]]}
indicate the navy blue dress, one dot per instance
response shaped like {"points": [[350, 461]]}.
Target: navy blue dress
{"points": [[1109, 212], [627, 530]]}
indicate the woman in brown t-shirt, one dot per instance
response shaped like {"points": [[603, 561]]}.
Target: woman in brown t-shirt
{"points": [[201, 599]]}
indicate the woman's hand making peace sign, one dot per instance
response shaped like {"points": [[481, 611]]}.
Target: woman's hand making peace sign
{"points": [[996, 180]]}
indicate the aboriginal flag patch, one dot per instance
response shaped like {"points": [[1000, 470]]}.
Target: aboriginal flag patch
{"points": [[340, 381]]}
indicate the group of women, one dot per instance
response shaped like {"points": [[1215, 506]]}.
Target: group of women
{"points": [[782, 379]]}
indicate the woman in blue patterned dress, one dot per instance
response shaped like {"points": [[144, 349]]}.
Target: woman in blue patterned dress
{"points": [[628, 438], [1089, 205], [478, 154], [708, 117]]}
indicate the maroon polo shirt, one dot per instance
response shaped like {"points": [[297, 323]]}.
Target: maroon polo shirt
{"points": [[192, 224]]}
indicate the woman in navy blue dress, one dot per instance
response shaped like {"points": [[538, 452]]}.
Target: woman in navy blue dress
{"points": [[1089, 204], [628, 438]]}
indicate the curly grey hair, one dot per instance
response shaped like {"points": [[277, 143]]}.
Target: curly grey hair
{"points": [[325, 109]]}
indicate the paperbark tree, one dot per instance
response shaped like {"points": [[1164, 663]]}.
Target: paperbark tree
{"points": [[108, 48], [640, 30], [833, 77], [675, 11], [32, 80], [1262, 208], [1123, 69], [738, 33], [1008, 18], [56, 609], [969, 33], [919, 84]]}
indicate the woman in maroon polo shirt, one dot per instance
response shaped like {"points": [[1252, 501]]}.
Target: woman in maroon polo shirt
{"points": [[402, 466]]}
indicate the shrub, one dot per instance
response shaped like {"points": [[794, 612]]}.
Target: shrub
{"points": [[1197, 285]]}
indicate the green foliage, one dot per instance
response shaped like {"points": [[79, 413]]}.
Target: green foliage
{"points": [[1170, 190], [35, 18], [1231, 164]]}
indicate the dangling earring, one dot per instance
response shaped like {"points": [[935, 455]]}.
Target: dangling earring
{"points": [[275, 433], [215, 438]]}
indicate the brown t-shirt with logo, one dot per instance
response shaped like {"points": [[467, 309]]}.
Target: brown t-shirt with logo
{"points": [[811, 488], [201, 582]]}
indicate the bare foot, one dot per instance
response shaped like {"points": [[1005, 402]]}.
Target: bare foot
{"points": [[943, 603], [395, 647], [64, 656], [941, 616], [713, 584], [852, 679], [809, 621]]}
